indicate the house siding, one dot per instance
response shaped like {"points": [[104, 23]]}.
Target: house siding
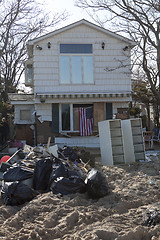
{"points": [[44, 112], [46, 63]]}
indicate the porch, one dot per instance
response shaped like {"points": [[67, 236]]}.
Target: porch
{"points": [[87, 141]]}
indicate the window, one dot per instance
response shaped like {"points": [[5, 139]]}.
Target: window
{"points": [[65, 117], [76, 64], [76, 48], [65, 69], [70, 118], [25, 115], [75, 118], [76, 69], [109, 111], [88, 69], [29, 74]]}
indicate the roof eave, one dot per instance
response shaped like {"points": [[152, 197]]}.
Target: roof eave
{"points": [[83, 21]]}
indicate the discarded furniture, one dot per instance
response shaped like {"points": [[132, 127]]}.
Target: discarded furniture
{"points": [[111, 142], [156, 136], [121, 141], [133, 140], [148, 137]]}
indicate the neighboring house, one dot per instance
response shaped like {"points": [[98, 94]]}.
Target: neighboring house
{"points": [[78, 67]]}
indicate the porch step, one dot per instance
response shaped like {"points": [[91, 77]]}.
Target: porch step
{"points": [[86, 142]]}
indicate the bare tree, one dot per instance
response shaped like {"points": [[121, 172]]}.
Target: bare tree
{"points": [[20, 20], [140, 20]]}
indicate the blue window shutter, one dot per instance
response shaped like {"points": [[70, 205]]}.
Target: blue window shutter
{"points": [[109, 111], [55, 117]]}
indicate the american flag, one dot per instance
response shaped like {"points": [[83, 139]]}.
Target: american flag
{"points": [[86, 121]]}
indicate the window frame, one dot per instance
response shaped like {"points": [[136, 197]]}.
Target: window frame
{"points": [[73, 50], [71, 117], [29, 113], [29, 66], [60, 118], [29, 108], [82, 55]]}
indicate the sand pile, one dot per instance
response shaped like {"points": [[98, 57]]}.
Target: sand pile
{"points": [[135, 190]]}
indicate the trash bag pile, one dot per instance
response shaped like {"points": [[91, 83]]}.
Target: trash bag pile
{"points": [[151, 218], [75, 153], [37, 170]]}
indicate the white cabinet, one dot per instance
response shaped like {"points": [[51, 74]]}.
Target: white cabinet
{"points": [[133, 140], [138, 140], [121, 141], [111, 142]]}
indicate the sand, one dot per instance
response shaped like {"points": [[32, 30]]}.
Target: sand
{"points": [[135, 189]]}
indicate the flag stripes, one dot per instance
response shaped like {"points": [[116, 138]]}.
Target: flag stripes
{"points": [[86, 121]]}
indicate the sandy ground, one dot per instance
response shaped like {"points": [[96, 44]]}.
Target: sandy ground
{"points": [[135, 189]]}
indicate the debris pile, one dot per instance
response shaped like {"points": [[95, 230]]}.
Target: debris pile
{"points": [[152, 218], [40, 170]]}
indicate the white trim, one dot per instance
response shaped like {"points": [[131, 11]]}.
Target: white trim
{"points": [[60, 119], [80, 141], [71, 117], [83, 95], [20, 108], [21, 102]]}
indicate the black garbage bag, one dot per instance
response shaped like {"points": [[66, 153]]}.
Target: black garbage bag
{"points": [[86, 157], [73, 173], [59, 170], [70, 185], [70, 153], [152, 218], [5, 166], [16, 193], [42, 173], [96, 184], [17, 174]]}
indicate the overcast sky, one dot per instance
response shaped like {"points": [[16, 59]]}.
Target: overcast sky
{"points": [[76, 13]]}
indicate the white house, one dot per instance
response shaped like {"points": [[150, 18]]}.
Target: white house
{"points": [[80, 66]]}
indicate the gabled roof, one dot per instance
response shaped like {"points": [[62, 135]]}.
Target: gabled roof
{"points": [[75, 24]]}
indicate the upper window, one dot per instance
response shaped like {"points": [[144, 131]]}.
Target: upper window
{"points": [[76, 48], [76, 64]]}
